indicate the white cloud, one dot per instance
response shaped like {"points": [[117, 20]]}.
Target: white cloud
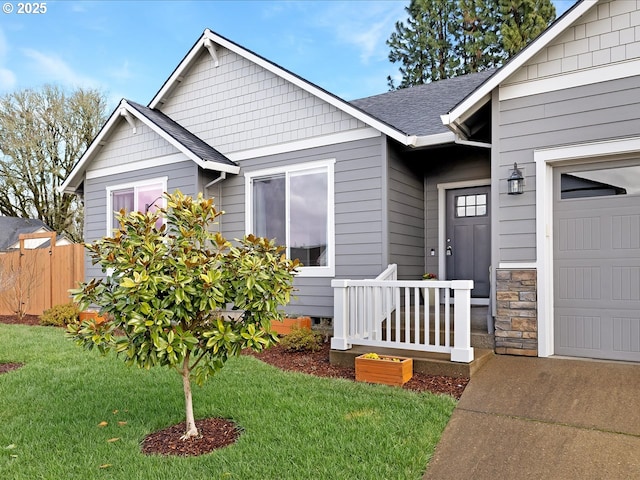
{"points": [[365, 25], [122, 72], [56, 70]]}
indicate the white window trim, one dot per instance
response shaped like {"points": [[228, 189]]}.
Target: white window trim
{"points": [[329, 270], [122, 186], [546, 160]]}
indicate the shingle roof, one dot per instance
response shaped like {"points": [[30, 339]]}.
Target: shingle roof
{"points": [[416, 110], [182, 135], [12, 227]]}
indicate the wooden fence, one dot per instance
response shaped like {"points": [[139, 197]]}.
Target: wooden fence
{"points": [[37, 279]]}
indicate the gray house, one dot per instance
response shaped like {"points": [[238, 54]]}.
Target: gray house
{"points": [[416, 178]]}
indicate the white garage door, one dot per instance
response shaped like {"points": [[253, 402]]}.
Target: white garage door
{"points": [[597, 260]]}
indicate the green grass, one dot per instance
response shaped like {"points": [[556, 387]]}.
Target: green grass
{"points": [[294, 426]]}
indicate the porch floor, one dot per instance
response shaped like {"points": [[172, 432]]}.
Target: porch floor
{"points": [[423, 362], [434, 363]]}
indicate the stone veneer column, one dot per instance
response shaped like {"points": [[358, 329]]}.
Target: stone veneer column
{"points": [[516, 322]]}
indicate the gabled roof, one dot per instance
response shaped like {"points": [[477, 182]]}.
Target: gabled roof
{"points": [[416, 110], [186, 142], [472, 103], [185, 138], [12, 227], [210, 41]]}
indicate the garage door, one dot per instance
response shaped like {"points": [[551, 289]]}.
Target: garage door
{"points": [[597, 261]]}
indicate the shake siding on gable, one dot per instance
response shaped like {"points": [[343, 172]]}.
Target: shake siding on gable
{"points": [[239, 106], [358, 215], [582, 114], [605, 34], [124, 147]]}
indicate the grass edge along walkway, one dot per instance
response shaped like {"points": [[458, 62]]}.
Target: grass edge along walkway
{"points": [[294, 425]]}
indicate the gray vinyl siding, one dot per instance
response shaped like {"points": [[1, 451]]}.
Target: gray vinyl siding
{"points": [[589, 113], [461, 165], [182, 176], [358, 216], [405, 217]]}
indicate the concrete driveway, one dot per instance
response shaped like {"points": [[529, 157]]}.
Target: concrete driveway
{"points": [[544, 418]]}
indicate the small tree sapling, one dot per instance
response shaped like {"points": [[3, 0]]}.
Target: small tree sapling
{"points": [[168, 289]]}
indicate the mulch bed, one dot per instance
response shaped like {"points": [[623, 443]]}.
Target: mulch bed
{"points": [[317, 363], [214, 433], [219, 432], [7, 367], [26, 320]]}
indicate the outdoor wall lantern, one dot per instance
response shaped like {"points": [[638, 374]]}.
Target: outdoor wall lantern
{"points": [[515, 181]]}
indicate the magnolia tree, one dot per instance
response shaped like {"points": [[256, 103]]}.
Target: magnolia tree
{"points": [[167, 293]]}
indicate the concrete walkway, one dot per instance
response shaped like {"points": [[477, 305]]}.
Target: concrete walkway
{"points": [[544, 418]]}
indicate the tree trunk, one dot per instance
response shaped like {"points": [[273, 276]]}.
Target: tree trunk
{"points": [[191, 431]]}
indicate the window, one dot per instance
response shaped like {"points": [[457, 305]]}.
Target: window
{"points": [[614, 180], [141, 197], [471, 205], [294, 205]]}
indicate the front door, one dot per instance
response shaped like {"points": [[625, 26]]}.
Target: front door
{"points": [[468, 237]]}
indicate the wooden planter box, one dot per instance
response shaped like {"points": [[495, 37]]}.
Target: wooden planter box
{"points": [[91, 315], [287, 324], [384, 371]]}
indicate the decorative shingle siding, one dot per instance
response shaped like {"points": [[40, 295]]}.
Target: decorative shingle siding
{"points": [[124, 146], [240, 105], [605, 34]]}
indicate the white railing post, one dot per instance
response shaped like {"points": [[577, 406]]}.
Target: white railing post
{"points": [[340, 340], [462, 350]]}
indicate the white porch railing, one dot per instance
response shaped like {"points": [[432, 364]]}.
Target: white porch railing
{"points": [[402, 314]]}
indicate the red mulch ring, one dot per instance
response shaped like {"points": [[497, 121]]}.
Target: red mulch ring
{"points": [[7, 367], [214, 433]]}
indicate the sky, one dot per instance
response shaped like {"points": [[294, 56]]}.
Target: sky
{"points": [[127, 49]]}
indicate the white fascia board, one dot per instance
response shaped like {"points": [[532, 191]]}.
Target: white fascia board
{"points": [[205, 164], [467, 105], [208, 35], [73, 180]]}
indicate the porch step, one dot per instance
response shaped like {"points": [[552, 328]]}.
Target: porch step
{"points": [[423, 362]]}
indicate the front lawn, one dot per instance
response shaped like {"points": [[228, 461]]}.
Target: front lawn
{"points": [[294, 426]]}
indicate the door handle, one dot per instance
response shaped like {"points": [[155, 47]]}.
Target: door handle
{"points": [[449, 251]]}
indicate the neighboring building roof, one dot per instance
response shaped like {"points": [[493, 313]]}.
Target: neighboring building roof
{"points": [[202, 149], [12, 227], [416, 110]]}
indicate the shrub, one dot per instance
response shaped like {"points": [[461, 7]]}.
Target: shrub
{"points": [[301, 340], [60, 315]]}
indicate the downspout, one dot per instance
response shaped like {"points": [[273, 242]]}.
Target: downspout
{"points": [[221, 177], [460, 141]]}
